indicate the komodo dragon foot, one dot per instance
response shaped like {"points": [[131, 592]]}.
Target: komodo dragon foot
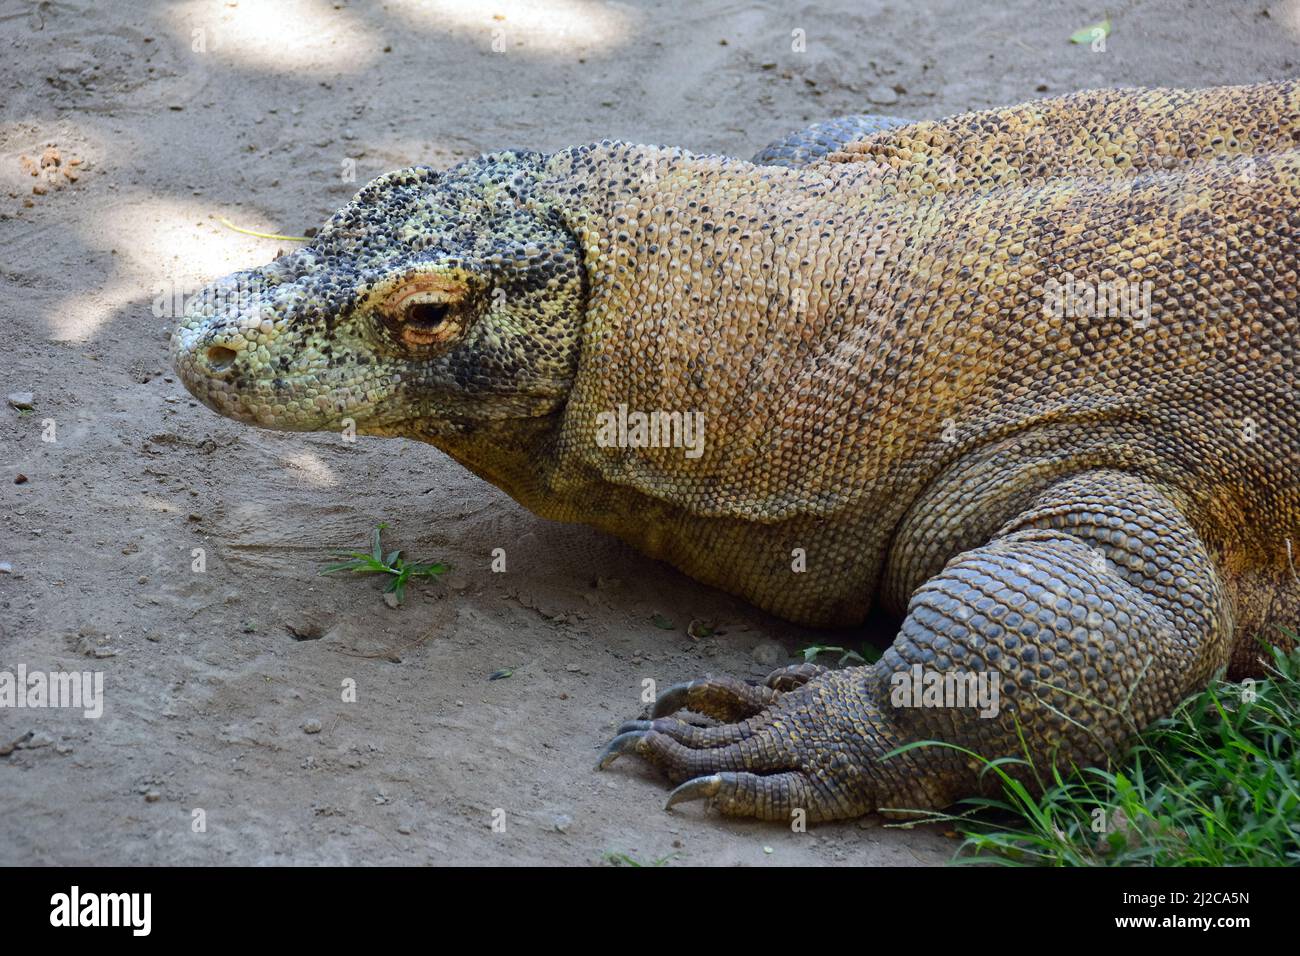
{"points": [[768, 760]]}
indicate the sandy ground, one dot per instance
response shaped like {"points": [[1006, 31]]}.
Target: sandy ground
{"points": [[165, 117]]}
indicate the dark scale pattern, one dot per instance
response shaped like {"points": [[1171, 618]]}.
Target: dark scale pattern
{"points": [[1100, 509]]}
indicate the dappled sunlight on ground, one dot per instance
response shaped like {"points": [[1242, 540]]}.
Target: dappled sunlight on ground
{"points": [[552, 27], [279, 36], [175, 243]]}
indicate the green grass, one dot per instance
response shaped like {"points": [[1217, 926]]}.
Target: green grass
{"points": [[393, 564], [1215, 784]]}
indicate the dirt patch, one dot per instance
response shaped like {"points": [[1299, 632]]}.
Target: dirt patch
{"points": [[176, 553]]}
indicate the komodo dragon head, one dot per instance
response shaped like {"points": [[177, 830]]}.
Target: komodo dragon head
{"points": [[422, 296]]}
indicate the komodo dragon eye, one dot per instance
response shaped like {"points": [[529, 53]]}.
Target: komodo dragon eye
{"points": [[425, 314]]}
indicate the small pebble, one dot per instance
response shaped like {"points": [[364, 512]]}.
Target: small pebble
{"points": [[883, 95], [23, 400], [312, 726]]}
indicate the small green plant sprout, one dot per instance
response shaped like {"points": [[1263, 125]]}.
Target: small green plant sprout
{"points": [[869, 655], [393, 564]]}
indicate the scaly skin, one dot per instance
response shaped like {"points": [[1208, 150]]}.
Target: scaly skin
{"points": [[1091, 515]]}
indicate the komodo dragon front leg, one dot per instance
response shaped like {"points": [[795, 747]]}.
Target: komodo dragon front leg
{"points": [[1090, 614]]}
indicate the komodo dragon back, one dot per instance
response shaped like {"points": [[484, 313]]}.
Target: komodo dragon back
{"points": [[1026, 376]]}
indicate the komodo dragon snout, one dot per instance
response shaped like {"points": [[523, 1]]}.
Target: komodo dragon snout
{"points": [[1028, 378], [428, 304]]}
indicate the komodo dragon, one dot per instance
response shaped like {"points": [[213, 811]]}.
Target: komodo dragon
{"points": [[1026, 377]]}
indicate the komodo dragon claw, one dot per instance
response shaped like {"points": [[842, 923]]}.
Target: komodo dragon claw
{"points": [[701, 788], [625, 743]]}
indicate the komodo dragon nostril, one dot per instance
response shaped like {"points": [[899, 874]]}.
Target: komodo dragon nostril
{"points": [[220, 358]]}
